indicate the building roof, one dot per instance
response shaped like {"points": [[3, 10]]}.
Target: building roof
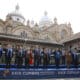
{"points": [[44, 41], [74, 37]]}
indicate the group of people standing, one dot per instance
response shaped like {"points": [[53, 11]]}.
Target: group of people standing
{"points": [[38, 56]]}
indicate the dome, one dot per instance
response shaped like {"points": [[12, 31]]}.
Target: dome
{"points": [[45, 20], [16, 16]]}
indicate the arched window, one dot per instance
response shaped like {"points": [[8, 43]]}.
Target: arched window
{"points": [[23, 34], [63, 34]]}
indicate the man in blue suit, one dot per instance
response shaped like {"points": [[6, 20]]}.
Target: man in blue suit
{"points": [[57, 57], [9, 54], [36, 56]]}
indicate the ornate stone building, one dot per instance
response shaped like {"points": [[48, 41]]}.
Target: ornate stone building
{"points": [[73, 41], [46, 32]]}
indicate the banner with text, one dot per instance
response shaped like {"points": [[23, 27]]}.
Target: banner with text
{"points": [[39, 73]]}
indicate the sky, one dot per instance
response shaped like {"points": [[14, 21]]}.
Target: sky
{"points": [[64, 10]]}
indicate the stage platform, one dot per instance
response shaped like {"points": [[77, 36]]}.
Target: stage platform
{"points": [[39, 72], [40, 66]]}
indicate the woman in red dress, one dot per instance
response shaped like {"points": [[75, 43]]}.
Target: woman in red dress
{"points": [[31, 57]]}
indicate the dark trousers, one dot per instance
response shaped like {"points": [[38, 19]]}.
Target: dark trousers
{"points": [[8, 61], [20, 62], [57, 62], [48, 60], [27, 62], [36, 60], [72, 55], [40, 59], [63, 59], [16, 60], [76, 62], [45, 61]]}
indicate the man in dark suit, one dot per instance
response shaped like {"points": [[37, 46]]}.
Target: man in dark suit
{"points": [[20, 57], [49, 55], [27, 57], [9, 54], [4, 54], [75, 57], [45, 58], [63, 56], [16, 55]]}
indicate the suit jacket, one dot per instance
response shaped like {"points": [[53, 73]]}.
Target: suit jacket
{"points": [[9, 52], [21, 53], [4, 51], [1, 51], [68, 58], [57, 54]]}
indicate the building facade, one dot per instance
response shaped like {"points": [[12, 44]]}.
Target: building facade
{"points": [[73, 42], [47, 32]]}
